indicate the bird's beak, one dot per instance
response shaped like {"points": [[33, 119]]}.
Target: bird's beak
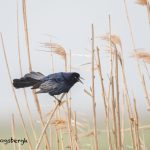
{"points": [[81, 80]]}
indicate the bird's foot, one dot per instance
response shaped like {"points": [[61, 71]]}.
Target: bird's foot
{"points": [[59, 102]]}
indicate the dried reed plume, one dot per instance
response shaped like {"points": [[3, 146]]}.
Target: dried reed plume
{"points": [[141, 2], [60, 123], [115, 39], [56, 48], [142, 55], [147, 5]]}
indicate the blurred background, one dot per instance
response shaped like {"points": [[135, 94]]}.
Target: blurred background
{"points": [[68, 23]]}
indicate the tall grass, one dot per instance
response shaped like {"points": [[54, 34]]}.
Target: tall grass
{"points": [[63, 129]]}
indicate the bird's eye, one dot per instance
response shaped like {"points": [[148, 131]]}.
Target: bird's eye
{"points": [[75, 77]]}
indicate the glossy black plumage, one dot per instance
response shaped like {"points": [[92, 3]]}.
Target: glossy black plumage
{"points": [[54, 84]]}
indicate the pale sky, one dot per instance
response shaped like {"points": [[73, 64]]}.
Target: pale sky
{"points": [[69, 23]]}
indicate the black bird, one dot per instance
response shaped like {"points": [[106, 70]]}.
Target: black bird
{"points": [[54, 84]]}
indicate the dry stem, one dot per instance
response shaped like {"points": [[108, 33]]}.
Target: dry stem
{"points": [[93, 93]]}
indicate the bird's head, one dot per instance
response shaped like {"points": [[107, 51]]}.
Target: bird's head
{"points": [[75, 77], [72, 77]]}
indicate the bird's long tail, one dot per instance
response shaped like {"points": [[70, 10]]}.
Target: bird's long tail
{"points": [[30, 79], [24, 82]]}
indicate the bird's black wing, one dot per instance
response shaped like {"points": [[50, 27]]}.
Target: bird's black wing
{"points": [[53, 86], [34, 75]]}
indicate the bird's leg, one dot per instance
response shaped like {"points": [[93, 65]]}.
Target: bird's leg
{"points": [[59, 100], [62, 96]]}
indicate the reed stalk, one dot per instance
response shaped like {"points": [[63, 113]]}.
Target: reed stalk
{"points": [[13, 130], [148, 11], [44, 129], [76, 132], [129, 23], [93, 93], [130, 115], [52, 59], [114, 114], [30, 69], [123, 119], [57, 139], [111, 84], [133, 45], [47, 123], [137, 135], [51, 138], [14, 93], [20, 68], [127, 99], [146, 92], [26, 32], [139, 70], [69, 111], [104, 98], [117, 101], [61, 134]]}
